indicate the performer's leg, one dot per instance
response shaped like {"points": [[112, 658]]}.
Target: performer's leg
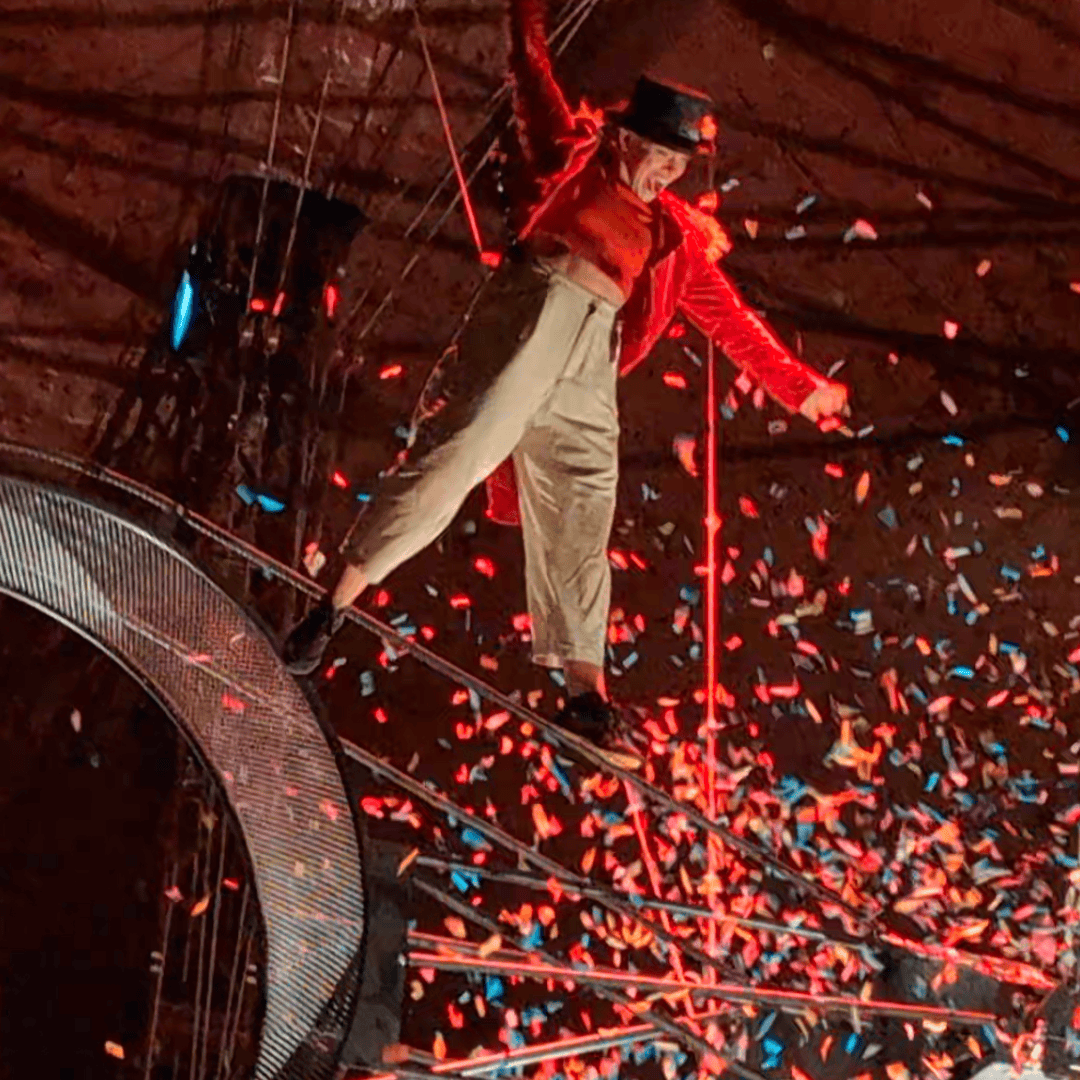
{"points": [[511, 355], [567, 468]]}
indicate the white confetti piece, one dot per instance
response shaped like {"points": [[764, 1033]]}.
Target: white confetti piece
{"points": [[947, 401], [314, 559]]}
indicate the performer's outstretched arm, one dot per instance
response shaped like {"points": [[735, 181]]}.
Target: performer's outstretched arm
{"points": [[713, 304], [545, 119]]}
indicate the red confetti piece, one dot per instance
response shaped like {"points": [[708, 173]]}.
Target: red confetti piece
{"points": [[331, 296], [484, 566], [380, 715], [460, 601], [676, 331], [257, 304], [835, 471], [233, 704], [339, 479], [748, 507], [391, 371], [675, 380], [279, 303], [492, 259]]}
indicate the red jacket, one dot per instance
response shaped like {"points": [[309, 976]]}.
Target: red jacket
{"points": [[682, 275]]}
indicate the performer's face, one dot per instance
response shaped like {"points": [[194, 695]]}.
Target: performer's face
{"points": [[647, 167]]}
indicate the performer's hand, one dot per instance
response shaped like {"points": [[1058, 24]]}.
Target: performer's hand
{"points": [[828, 400]]}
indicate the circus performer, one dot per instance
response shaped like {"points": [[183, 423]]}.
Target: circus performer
{"points": [[604, 257]]}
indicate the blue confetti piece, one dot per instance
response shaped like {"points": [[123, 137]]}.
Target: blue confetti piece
{"points": [[270, 504], [963, 672], [246, 494], [534, 939], [688, 594], [1062, 433], [367, 684], [560, 776], [953, 440], [363, 496], [765, 1026], [473, 839], [630, 660], [932, 782], [183, 310], [887, 517]]}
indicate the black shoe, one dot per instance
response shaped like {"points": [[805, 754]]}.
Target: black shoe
{"points": [[591, 717], [304, 647]]}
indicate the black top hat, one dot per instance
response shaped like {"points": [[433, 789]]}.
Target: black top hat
{"points": [[674, 116]]}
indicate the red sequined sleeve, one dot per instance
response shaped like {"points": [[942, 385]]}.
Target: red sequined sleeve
{"points": [[712, 303], [546, 123]]}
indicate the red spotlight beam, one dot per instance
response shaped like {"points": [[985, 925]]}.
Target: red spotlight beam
{"points": [[539, 1053], [712, 528], [782, 999], [712, 616], [470, 213]]}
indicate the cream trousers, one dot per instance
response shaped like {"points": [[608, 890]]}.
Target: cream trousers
{"points": [[534, 375]]}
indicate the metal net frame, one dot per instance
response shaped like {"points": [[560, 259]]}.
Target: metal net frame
{"points": [[216, 675]]}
